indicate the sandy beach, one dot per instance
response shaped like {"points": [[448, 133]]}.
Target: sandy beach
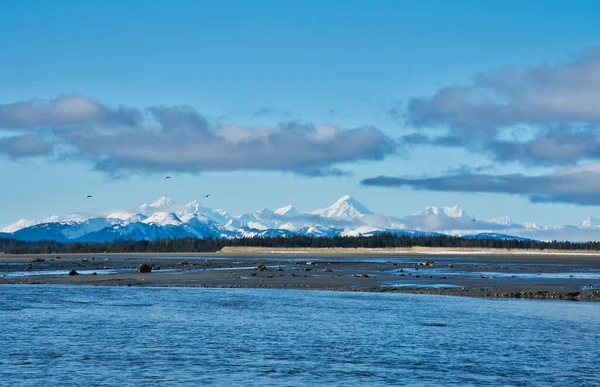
{"points": [[524, 274]]}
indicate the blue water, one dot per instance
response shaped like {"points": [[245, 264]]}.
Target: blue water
{"points": [[120, 336]]}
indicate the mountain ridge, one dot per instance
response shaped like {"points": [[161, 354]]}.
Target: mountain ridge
{"points": [[345, 217]]}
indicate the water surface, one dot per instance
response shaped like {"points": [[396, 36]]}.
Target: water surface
{"points": [[108, 336]]}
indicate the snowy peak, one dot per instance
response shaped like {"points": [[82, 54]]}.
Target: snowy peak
{"points": [[193, 208], [452, 212], [126, 216], [162, 204], [346, 216], [288, 210], [345, 207], [531, 226], [76, 218], [590, 221], [19, 225], [51, 219], [163, 219]]}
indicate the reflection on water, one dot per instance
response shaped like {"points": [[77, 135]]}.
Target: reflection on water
{"points": [[71, 336], [34, 273], [401, 284]]}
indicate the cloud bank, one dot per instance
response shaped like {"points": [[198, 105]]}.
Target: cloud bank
{"points": [[27, 145], [179, 138], [543, 95], [578, 185], [546, 115], [550, 111]]}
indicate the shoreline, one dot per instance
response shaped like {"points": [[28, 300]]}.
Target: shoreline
{"points": [[502, 293], [252, 252], [488, 276]]}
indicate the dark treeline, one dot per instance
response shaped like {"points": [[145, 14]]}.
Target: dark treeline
{"points": [[13, 246]]}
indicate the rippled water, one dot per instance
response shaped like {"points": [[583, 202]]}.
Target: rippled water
{"points": [[108, 336]]}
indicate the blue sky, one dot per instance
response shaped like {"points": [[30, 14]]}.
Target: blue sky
{"points": [[312, 83]]}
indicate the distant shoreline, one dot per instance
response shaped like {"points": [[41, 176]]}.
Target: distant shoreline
{"points": [[246, 251], [340, 251], [473, 273]]}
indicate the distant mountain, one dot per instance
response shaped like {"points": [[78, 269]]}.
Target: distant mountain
{"points": [[590, 222], [18, 225], [63, 231], [345, 207], [451, 212], [163, 219], [126, 217], [490, 235], [345, 217], [531, 226], [247, 232], [288, 211], [162, 204]]}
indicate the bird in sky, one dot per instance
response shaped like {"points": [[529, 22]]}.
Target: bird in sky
{"points": [[89, 196], [207, 195], [168, 177]]}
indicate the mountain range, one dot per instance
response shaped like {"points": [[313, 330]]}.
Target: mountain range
{"points": [[346, 217]]}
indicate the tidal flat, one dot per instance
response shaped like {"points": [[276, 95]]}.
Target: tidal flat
{"points": [[551, 276]]}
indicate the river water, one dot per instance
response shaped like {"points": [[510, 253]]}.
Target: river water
{"points": [[121, 336]]}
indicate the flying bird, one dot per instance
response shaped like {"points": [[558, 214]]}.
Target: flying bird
{"points": [[89, 196], [207, 195], [168, 177]]}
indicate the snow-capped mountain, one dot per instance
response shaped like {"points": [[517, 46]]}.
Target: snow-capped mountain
{"points": [[345, 217], [163, 219], [345, 207], [590, 221], [18, 225], [531, 226], [69, 229], [288, 211], [195, 208], [126, 217], [451, 212], [163, 204]]}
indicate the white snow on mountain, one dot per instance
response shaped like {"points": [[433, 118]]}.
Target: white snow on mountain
{"points": [[234, 224], [288, 210], [347, 216], [81, 226], [163, 219], [51, 219], [219, 215], [531, 226], [126, 217], [452, 212], [18, 225], [590, 221], [288, 226], [195, 208], [162, 204], [257, 226], [442, 219], [345, 207]]}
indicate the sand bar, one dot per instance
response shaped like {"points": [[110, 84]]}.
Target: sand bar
{"points": [[479, 274]]}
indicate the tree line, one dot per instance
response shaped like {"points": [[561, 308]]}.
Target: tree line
{"points": [[181, 245]]}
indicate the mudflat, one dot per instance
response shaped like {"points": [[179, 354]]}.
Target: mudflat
{"points": [[523, 274]]}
